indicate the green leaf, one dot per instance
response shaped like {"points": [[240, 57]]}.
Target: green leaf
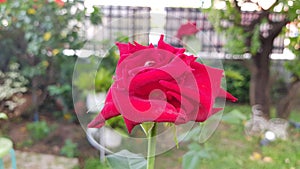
{"points": [[96, 16], [126, 160], [191, 160], [194, 146], [147, 126], [255, 41], [58, 90], [234, 75]]}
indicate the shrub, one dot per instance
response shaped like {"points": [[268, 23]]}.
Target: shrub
{"points": [[11, 84], [238, 80], [69, 149], [38, 130]]}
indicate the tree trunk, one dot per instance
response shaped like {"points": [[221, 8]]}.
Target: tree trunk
{"points": [[260, 78], [284, 106]]}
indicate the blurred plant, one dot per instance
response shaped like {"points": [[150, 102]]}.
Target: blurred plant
{"points": [[117, 124], [278, 18], [102, 80], [197, 152], [93, 163], [58, 90], [237, 80], [110, 60], [293, 30], [193, 158], [12, 83], [38, 130], [36, 33], [25, 143], [63, 100], [103, 77], [69, 149]]}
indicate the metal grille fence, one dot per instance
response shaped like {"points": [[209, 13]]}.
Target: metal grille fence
{"points": [[118, 21], [175, 17], [211, 41], [133, 22]]}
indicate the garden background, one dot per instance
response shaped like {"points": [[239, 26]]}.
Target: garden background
{"points": [[41, 41]]}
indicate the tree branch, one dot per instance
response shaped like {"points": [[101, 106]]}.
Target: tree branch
{"points": [[276, 28], [285, 104]]}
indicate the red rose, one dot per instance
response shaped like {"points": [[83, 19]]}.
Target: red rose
{"points": [[161, 84], [189, 28], [2, 1]]}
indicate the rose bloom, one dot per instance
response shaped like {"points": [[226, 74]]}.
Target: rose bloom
{"points": [[187, 29], [2, 1], [161, 84], [60, 3]]}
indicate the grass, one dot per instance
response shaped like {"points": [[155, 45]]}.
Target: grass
{"points": [[93, 163], [295, 116], [232, 149]]}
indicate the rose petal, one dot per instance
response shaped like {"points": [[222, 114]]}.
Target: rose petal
{"points": [[228, 96], [162, 45], [189, 28], [109, 110]]}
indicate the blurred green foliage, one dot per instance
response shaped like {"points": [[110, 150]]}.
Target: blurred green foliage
{"points": [[94, 163], [230, 148], [105, 68], [35, 33], [237, 80], [38, 130], [12, 85], [294, 65], [69, 149], [193, 158], [102, 79]]}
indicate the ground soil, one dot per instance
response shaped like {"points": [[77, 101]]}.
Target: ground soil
{"points": [[61, 130]]}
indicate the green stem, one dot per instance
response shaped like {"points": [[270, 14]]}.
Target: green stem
{"points": [[151, 147]]}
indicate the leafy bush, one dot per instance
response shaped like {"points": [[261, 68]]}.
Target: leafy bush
{"points": [[38, 130], [12, 83], [69, 149], [36, 33], [103, 80], [238, 80], [103, 77]]}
